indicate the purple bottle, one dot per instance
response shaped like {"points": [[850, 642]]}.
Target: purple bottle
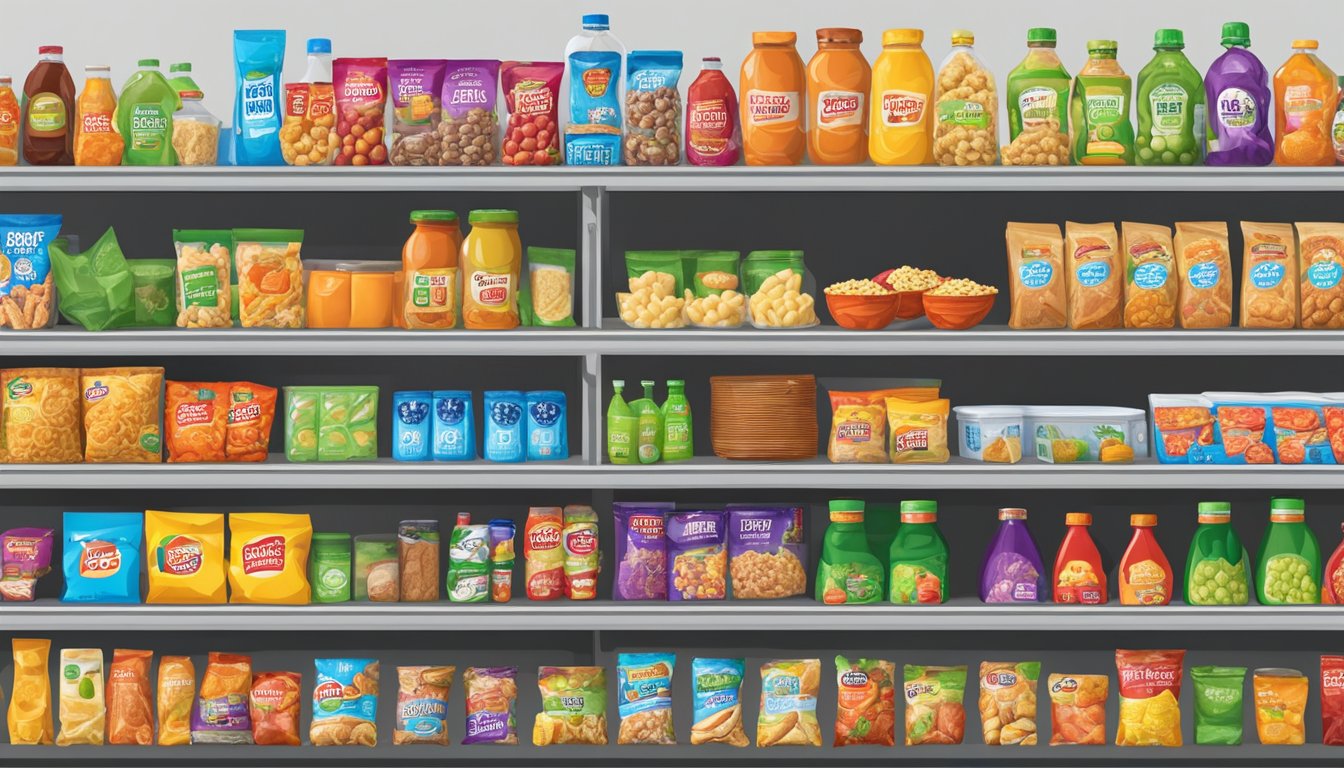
{"points": [[1237, 93], [1012, 571]]}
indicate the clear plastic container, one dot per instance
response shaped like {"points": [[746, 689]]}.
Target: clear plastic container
{"points": [[195, 132], [595, 36], [990, 433], [1061, 434]]}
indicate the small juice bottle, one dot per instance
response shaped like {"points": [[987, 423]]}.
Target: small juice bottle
{"points": [[1038, 105], [144, 116], [622, 428], [96, 140], [9, 123], [838, 80], [1079, 577], [900, 128], [678, 439], [1099, 109], [1145, 573], [429, 269], [492, 257], [1305, 94], [649, 426], [712, 133], [1170, 105], [48, 107], [774, 112]]}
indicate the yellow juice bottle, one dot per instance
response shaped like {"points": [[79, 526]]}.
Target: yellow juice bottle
{"points": [[900, 128], [492, 257]]}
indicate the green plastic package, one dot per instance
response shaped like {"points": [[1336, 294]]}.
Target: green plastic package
{"points": [[155, 283], [95, 288], [711, 273], [656, 298], [331, 423], [1218, 714], [550, 287]]}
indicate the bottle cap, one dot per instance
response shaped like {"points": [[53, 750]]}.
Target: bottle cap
{"points": [[1286, 503], [1143, 520], [1012, 513], [618, 382], [181, 66], [492, 216], [963, 37], [919, 505], [1236, 33], [1078, 518], [774, 38], [596, 21], [647, 382], [676, 382], [1169, 38], [1215, 508], [1041, 35], [435, 216], [148, 63], [712, 58], [50, 49], [1101, 46], [846, 505], [1310, 45], [319, 45], [839, 35], [100, 68], [193, 95], [903, 37]]}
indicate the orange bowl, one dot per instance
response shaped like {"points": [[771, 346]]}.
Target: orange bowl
{"points": [[862, 313], [910, 304], [957, 313]]}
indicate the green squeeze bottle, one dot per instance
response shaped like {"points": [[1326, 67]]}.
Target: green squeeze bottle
{"points": [[1099, 109], [1170, 105], [1289, 569], [622, 428], [144, 116], [678, 442], [918, 556], [848, 572], [1216, 571], [649, 434]]}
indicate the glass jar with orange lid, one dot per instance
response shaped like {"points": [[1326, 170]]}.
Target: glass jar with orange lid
{"points": [[429, 271], [774, 114], [900, 128], [1305, 95], [492, 257], [838, 79], [9, 123], [96, 142]]}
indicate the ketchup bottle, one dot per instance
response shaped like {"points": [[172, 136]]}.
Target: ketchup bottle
{"points": [[1145, 573], [712, 133], [48, 108], [1079, 577]]}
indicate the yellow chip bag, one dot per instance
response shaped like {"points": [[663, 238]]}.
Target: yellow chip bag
{"points": [[123, 412], [184, 554], [268, 558], [1150, 688], [918, 431], [30, 706]]}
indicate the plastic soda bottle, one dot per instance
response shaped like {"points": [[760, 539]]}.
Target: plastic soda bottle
{"points": [[96, 139], [9, 123], [1170, 105], [622, 428], [649, 429], [918, 556], [144, 116], [900, 126], [1236, 89], [1099, 109], [179, 76], [1305, 94], [678, 440]]}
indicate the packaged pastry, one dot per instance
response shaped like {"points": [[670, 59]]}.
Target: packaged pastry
{"points": [[1321, 261], [40, 416], [122, 412], [1008, 702], [130, 708], [83, 711], [270, 277], [934, 713], [221, 714], [789, 704], [1096, 277], [1036, 274], [1268, 275], [1078, 709], [717, 688], [1150, 285], [418, 560], [1205, 265], [176, 700]]}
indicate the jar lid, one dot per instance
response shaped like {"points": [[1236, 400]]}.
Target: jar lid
{"points": [[1041, 35], [147, 63], [839, 35], [1078, 518], [1169, 38], [963, 37], [492, 216], [903, 37], [441, 216], [1236, 33], [774, 38], [1012, 513], [1143, 520]]}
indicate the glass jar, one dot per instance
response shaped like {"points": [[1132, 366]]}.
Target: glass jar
{"points": [[195, 132], [329, 567]]}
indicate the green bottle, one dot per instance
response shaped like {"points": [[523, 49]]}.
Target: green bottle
{"points": [[1099, 109], [179, 76], [1289, 569], [649, 435], [918, 556], [329, 567], [848, 572], [144, 116], [1038, 93], [1170, 105], [622, 427], [678, 440], [1217, 569]]}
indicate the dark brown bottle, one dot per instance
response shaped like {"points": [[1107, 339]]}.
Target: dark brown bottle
{"points": [[48, 108]]}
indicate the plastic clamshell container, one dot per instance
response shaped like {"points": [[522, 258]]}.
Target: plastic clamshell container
{"points": [[991, 433], [1063, 434]]}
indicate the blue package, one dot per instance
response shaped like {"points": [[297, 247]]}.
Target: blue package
{"points": [[594, 85], [258, 57], [24, 238], [547, 430], [504, 439], [454, 428], [410, 426], [102, 556], [598, 145]]}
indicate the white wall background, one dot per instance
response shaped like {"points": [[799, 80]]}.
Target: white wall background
{"points": [[118, 32]]}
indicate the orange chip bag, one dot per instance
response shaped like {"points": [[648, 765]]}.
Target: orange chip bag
{"points": [[130, 715], [184, 554], [1078, 709], [1150, 690], [176, 699], [268, 558], [1280, 706], [195, 420], [251, 413], [221, 715], [274, 705]]}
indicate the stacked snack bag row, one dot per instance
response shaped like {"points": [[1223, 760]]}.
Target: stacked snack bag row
{"points": [[1249, 428], [234, 705]]}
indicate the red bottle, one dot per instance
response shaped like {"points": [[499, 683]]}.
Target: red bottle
{"points": [[1145, 573], [1332, 585], [1079, 577], [48, 111], [712, 133]]}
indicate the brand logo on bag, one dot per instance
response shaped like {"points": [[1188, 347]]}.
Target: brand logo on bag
{"points": [[858, 432], [99, 559], [328, 691], [1000, 679], [182, 556], [264, 556], [1333, 680], [532, 97], [912, 440], [296, 99], [1065, 685], [647, 525], [854, 679], [244, 413], [258, 96], [544, 537], [97, 392], [190, 414], [709, 115], [581, 542], [96, 122], [362, 87]]}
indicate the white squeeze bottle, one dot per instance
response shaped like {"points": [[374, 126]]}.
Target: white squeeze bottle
{"points": [[595, 36]]}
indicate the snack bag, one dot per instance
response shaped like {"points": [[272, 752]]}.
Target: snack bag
{"points": [[1008, 702], [1078, 709], [582, 558], [789, 704], [865, 709], [505, 438], [29, 716], [195, 420], [532, 96], [453, 430], [551, 285], [270, 277], [544, 553], [273, 706], [1332, 701], [918, 430], [593, 136], [361, 99], [773, 282], [491, 695], [1036, 276], [96, 287], [418, 560], [268, 558], [130, 709], [308, 132], [1096, 283], [697, 556], [547, 428], [1205, 264], [766, 552], [204, 263], [25, 557], [1150, 689], [467, 134], [40, 416], [644, 692], [1218, 704], [176, 700], [27, 297], [641, 551], [83, 711], [221, 713], [1268, 276], [1280, 706], [251, 414], [422, 705], [858, 431], [155, 292], [185, 557], [102, 557], [653, 108], [258, 57], [123, 410], [656, 297], [934, 713], [414, 86], [345, 703], [1321, 257], [714, 298], [1150, 286], [573, 706], [717, 688]]}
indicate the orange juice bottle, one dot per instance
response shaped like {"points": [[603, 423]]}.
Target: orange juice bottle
{"points": [[96, 140], [9, 123], [838, 79], [492, 257], [1305, 95], [429, 265], [900, 129], [774, 114]]}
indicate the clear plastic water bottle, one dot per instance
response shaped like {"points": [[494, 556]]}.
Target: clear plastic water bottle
{"points": [[595, 36]]}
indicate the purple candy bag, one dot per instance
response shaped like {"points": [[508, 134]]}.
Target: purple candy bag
{"points": [[491, 695], [467, 134], [641, 551], [25, 556], [697, 557], [413, 88], [766, 552]]}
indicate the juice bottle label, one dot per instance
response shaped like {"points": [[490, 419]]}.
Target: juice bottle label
{"points": [[902, 108], [1299, 101], [710, 127], [1168, 103], [1235, 108], [968, 113], [46, 114], [837, 108], [1037, 105], [771, 107], [96, 121], [1104, 109], [149, 128], [490, 289]]}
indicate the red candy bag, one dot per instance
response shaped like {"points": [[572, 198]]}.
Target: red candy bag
{"points": [[532, 96], [1332, 700]]}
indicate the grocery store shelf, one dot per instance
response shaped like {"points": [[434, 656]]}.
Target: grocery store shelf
{"points": [[701, 472], [614, 338], [960, 615], [678, 179]]}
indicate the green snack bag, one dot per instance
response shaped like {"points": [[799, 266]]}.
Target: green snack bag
{"points": [[773, 282], [95, 289], [155, 288], [301, 423], [848, 572], [656, 296], [550, 287], [1218, 714], [712, 275], [347, 424]]}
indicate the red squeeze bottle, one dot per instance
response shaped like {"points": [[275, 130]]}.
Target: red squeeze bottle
{"points": [[712, 134], [1079, 577], [1332, 585], [1145, 574]]}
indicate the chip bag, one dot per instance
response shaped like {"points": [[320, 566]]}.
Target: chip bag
{"points": [[573, 706], [1150, 689], [345, 702], [270, 277], [1332, 701], [204, 266], [26, 278], [1321, 274], [1151, 285], [1205, 264], [918, 430], [934, 713], [130, 709], [1268, 276], [551, 286], [83, 711], [1280, 705], [268, 558], [422, 705], [176, 700], [251, 413], [865, 708], [221, 713], [102, 557], [1039, 297], [40, 416], [273, 706], [789, 704], [30, 706], [96, 288], [195, 420], [491, 695], [1078, 709], [1096, 278], [1218, 704], [644, 692], [123, 410], [25, 557], [1008, 702], [858, 433], [717, 688], [185, 557]]}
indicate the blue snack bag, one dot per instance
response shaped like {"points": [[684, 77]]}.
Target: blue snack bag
{"points": [[258, 57], [24, 263], [411, 426], [454, 427], [102, 556], [547, 429], [593, 136], [504, 438]]}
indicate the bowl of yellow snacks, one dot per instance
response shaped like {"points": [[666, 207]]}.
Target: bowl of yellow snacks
{"points": [[861, 305], [958, 304], [909, 284]]}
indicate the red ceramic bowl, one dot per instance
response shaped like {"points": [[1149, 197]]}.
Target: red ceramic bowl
{"points": [[957, 313], [862, 313]]}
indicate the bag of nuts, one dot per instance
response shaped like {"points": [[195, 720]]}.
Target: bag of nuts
{"points": [[466, 136], [361, 98], [967, 108], [652, 108], [414, 86]]}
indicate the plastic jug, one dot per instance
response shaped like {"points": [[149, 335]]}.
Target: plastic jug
{"points": [[1236, 89], [1038, 105], [838, 80], [1099, 109], [900, 128], [1170, 105], [774, 113], [1306, 92], [145, 116], [1217, 571], [1145, 573], [848, 572], [918, 556], [1289, 569]]}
